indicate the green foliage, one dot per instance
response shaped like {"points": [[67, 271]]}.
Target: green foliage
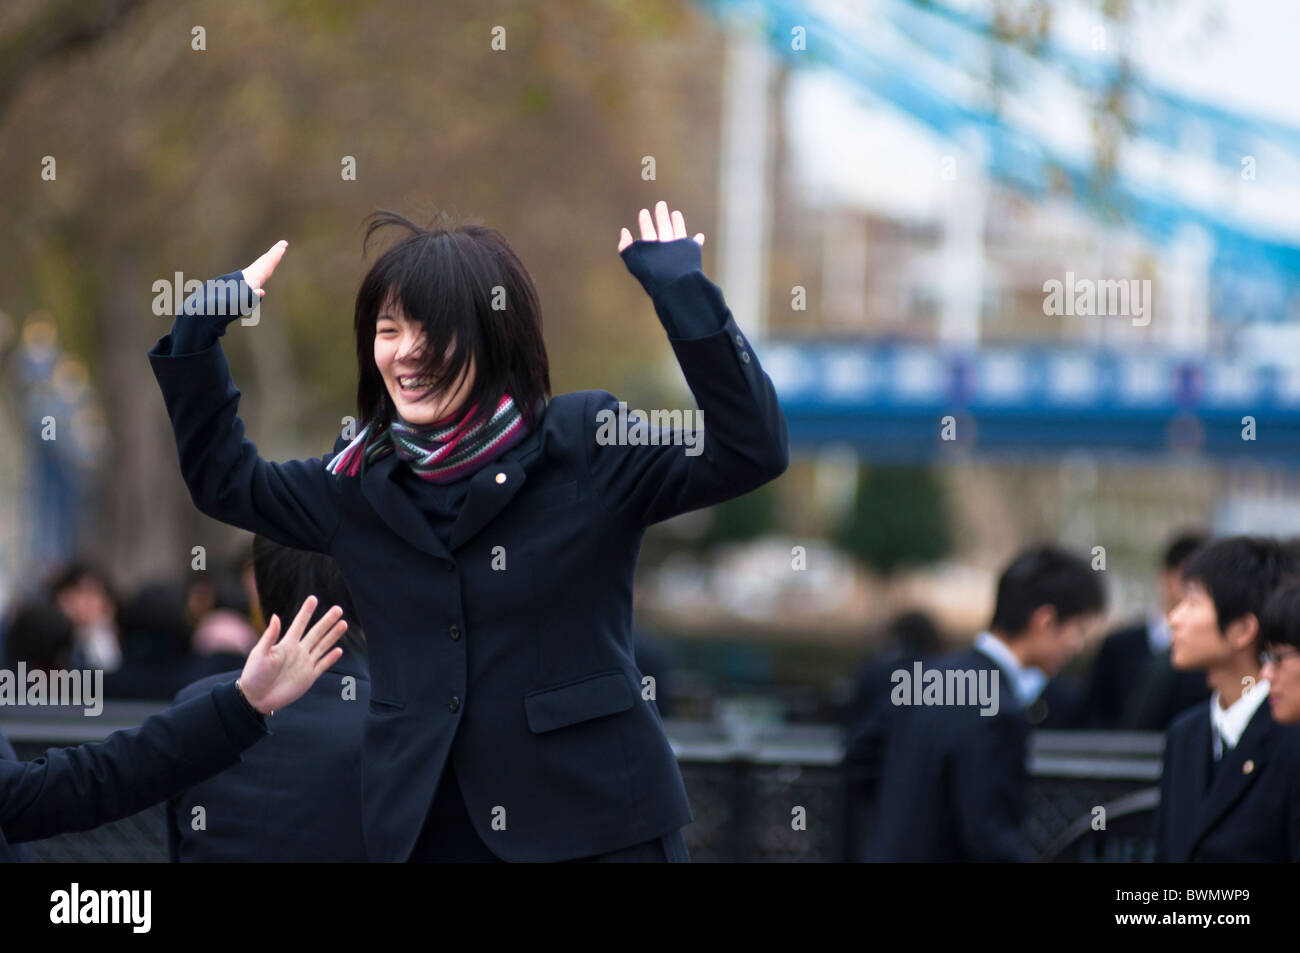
{"points": [[899, 518]]}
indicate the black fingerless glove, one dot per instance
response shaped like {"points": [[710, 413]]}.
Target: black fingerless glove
{"points": [[657, 265], [204, 315]]}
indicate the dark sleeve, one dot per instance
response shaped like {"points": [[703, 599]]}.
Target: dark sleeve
{"points": [[76, 789], [989, 779], [204, 315], [745, 442], [1103, 694], [296, 503]]}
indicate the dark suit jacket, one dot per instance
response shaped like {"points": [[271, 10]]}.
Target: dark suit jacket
{"points": [[525, 675], [75, 789], [1134, 689], [954, 787], [296, 797], [1252, 810]]}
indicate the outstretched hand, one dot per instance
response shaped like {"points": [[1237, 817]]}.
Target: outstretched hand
{"points": [[277, 674], [670, 227], [257, 273]]}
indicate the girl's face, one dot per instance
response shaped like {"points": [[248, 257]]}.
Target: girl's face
{"points": [[398, 346]]}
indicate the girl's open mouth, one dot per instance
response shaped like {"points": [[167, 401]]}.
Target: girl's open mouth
{"points": [[414, 388]]}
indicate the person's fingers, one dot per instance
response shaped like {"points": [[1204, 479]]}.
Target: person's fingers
{"points": [[624, 238], [699, 237], [301, 619], [647, 225], [259, 271], [269, 636], [663, 221], [314, 641], [322, 645], [326, 661], [679, 225]]}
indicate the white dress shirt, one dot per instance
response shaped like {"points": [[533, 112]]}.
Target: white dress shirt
{"points": [[1228, 724], [1026, 682]]}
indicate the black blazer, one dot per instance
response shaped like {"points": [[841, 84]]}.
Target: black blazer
{"points": [[525, 675], [1134, 689], [296, 797], [75, 789], [1252, 810], [954, 785]]}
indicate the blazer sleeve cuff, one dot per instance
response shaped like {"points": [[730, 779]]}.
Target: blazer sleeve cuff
{"points": [[204, 371], [690, 307], [242, 726]]}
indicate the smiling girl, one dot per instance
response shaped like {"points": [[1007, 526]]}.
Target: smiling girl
{"points": [[489, 539]]}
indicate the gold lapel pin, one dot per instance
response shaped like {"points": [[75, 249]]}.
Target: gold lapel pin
{"points": [[501, 478], [1248, 767]]}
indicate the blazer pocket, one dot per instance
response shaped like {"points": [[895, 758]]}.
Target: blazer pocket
{"points": [[380, 707], [605, 693]]}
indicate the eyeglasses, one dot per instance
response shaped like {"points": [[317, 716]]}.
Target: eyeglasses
{"points": [[1276, 656]]}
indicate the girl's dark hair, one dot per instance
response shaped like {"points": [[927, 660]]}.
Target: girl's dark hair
{"points": [[465, 286], [285, 577]]}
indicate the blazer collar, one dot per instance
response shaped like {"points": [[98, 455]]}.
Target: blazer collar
{"points": [[1241, 766], [491, 487]]}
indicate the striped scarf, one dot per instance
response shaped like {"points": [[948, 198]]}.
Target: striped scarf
{"points": [[442, 452]]}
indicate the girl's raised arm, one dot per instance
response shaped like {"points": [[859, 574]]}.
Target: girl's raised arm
{"points": [[296, 503]]}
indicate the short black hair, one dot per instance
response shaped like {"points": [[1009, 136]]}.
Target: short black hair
{"points": [[1182, 546], [470, 294], [1240, 572], [74, 572], [1045, 575], [40, 636], [285, 577], [1279, 623]]}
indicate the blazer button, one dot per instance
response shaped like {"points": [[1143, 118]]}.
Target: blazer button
{"points": [[740, 340], [744, 356], [455, 703], [454, 632], [450, 566]]}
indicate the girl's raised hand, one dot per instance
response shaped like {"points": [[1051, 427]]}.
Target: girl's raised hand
{"points": [[671, 227], [257, 273]]}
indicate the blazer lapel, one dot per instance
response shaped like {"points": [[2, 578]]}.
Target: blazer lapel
{"points": [[1241, 766], [402, 516], [490, 489]]}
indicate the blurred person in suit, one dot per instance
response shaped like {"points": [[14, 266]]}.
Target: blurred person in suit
{"points": [[1132, 685], [155, 644], [76, 789], [223, 629], [84, 594], [954, 785], [40, 636], [1279, 632], [296, 797], [1230, 781], [910, 636]]}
